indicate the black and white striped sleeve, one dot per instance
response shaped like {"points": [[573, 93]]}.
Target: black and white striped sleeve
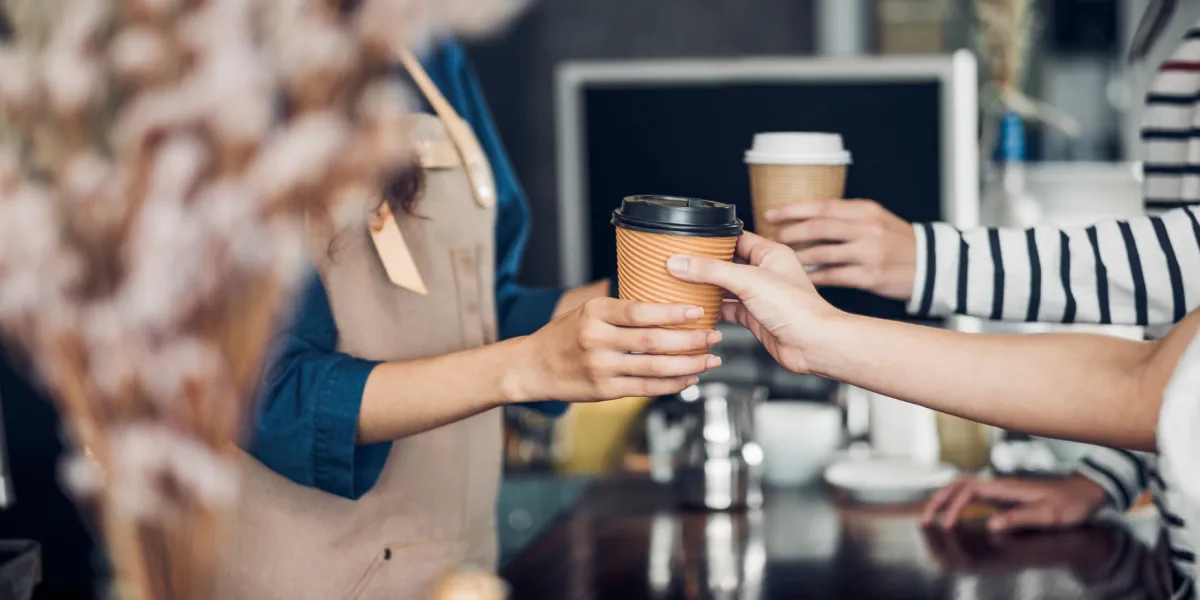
{"points": [[1123, 475], [1144, 271]]}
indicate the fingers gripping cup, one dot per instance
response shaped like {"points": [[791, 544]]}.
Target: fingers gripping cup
{"points": [[651, 229], [792, 167]]}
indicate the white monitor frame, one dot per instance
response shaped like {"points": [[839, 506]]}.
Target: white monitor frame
{"points": [[958, 74]]}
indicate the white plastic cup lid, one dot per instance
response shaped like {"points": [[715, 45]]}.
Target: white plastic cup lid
{"points": [[798, 148]]}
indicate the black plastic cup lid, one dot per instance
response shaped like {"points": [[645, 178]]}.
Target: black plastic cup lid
{"points": [[678, 216]]}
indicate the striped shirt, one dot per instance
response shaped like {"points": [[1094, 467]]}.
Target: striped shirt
{"points": [[1143, 272]]}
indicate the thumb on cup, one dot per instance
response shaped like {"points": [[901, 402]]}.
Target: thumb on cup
{"points": [[739, 279]]}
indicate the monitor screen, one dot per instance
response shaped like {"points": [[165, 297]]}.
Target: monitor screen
{"points": [[689, 139]]}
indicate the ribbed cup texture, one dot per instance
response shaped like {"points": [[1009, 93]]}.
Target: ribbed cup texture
{"points": [[643, 277], [772, 186]]}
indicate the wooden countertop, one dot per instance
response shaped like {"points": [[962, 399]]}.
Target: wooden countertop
{"points": [[626, 540]]}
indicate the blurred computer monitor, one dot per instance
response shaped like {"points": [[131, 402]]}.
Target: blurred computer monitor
{"points": [[680, 127]]}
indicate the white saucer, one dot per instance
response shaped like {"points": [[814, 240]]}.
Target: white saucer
{"points": [[888, 480]]}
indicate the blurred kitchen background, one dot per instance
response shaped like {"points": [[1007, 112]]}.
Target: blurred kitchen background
{"points": [[540, 75]]}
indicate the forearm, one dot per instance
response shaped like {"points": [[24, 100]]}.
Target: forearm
{"points": [[407, 398], [603, 350], [1096, 389], [1080, 387]]}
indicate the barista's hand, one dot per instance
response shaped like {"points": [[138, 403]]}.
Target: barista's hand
{"points": [[587, 355], [576, 297], [1033, 504], [859, 244], [775, 299]]}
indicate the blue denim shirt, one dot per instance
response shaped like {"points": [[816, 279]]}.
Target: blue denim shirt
{"points": [[312, 393]]}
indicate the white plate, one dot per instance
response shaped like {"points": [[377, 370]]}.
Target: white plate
{"points": [[888, 480]]}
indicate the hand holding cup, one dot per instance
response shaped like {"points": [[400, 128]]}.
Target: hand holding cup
{"points": [[650, 229], [609, 348], [788, 168], [774, 298], [850, 243]]}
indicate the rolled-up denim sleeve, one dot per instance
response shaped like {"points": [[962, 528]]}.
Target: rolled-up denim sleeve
{"points": [[311, 395], [521, 310]]}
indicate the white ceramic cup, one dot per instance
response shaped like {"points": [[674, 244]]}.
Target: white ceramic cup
{"points": [[798, 439]]}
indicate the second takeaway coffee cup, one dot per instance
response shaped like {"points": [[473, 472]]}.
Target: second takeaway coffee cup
{"points": [[651, 229], [786, 168]]}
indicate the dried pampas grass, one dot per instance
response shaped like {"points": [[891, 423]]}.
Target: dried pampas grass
{"points": [[1005, 37], [1005, 32], [157, 161]]}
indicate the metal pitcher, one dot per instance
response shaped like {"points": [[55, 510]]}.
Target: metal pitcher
{"points": [[702, 441]]}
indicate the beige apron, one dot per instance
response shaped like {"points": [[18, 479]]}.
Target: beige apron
{"points": [[432, 510]]}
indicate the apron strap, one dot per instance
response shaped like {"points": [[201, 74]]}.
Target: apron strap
{"points": [[479, 171]]}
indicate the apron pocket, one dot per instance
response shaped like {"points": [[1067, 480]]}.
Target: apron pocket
{"points": [[483, 432], [470, 295], [485, 442]]}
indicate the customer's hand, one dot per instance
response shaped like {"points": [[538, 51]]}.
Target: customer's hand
{"points": [[1031, 504], [775, 299], [856, 243], [588, 354]]}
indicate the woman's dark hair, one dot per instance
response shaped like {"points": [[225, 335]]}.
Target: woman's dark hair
{"points": [[402, 189], [5, 25], [347, 7]]}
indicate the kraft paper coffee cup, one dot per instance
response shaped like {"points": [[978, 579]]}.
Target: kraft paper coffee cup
{"points": [[651, 229], [786, 168]]}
